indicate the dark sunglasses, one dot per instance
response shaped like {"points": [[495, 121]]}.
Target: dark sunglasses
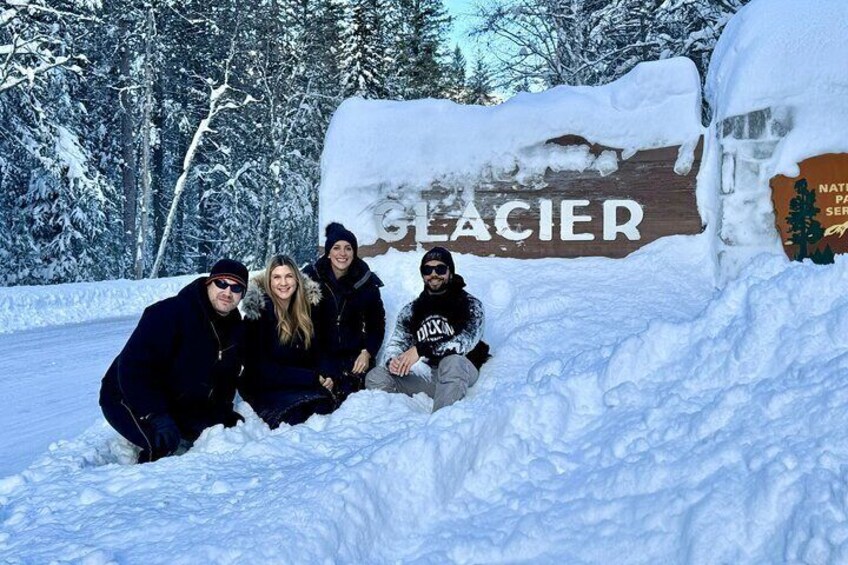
{"points": [[237, 288], [440, 270]]}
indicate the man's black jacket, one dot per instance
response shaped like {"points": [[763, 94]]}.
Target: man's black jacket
{"points": [[183, 359]]}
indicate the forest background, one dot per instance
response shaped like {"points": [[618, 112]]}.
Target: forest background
{"points": [[149, 138]]}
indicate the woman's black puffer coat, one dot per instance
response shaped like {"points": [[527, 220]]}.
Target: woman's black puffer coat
{"points": [[349, 318], [280, 380]]}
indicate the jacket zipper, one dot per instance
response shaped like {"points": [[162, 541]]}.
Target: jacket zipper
{"points": [[338, 315], [220, 356]]}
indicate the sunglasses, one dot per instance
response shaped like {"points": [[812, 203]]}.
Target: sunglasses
{"points": [[237, 288], [440, 270]]}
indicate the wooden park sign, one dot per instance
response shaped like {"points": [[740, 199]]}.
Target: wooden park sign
{"points": [[811, 210], [562, 214]]}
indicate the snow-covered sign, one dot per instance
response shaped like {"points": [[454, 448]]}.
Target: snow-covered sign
{"points": [[776, 86], [812, 208], [572, 171]]}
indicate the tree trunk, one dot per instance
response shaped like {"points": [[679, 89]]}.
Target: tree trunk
{"points": [[128, 169], [146, 131]]}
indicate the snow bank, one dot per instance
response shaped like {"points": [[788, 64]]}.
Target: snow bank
{"points": [[27, 307], [777, 53], [631, 414], [778, 88], [376, 149]]}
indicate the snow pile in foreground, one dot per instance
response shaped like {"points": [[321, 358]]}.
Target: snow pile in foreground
{"points": [[378, 149], [631, 414]]}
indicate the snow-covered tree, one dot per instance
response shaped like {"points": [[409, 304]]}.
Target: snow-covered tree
{"points": [[551, 42], [544, 41], [362, 59], [455, 73], [115, 145], [420, 30], [624, 32], [480, 89], [35, 39], [61, 203], [59, 209]]}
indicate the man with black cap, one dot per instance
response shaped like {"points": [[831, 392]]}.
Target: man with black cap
{"points": [[176, 376], [436, 346]]}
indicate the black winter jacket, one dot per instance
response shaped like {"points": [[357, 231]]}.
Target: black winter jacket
{"points": [[440, 325], [280, 374], [182, 359], [350, 316]]}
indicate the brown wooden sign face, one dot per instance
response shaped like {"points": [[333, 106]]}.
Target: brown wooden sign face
{"points": [[564, 214], [811, 210]]}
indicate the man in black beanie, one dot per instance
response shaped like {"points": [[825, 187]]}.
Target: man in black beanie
{"points": [[176, 376], [442, 329]]}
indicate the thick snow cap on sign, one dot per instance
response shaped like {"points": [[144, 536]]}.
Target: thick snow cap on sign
{"points": [[790, 55], [378, 148]]}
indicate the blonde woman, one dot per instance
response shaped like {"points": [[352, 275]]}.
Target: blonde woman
{"points": [[281, 380]]}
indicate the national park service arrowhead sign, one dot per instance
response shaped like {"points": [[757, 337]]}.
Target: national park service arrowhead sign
{"points": [[811, 210]]}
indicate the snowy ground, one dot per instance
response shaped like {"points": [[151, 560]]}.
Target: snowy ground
{"points": [[51, 378], [631, 414]]}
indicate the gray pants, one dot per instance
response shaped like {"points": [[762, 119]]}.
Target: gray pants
{"points": [[450, 382]]}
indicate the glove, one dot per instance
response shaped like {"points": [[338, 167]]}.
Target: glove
{"points": [[165, 434], [231, 419]]}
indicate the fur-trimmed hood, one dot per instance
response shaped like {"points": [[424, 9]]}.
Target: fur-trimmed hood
{"points": [[256, 296]]}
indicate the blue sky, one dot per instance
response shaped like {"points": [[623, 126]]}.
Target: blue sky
{"points": [[460, 11]]}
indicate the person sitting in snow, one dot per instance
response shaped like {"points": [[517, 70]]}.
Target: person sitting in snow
{"points": [[176, 375], [281, 379], [350, 318], [436, 346]]}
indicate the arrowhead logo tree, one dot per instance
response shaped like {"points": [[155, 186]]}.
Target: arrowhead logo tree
{"points": [[804, 229]]}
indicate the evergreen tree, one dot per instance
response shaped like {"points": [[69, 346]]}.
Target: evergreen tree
{"points": [[362, 60], [455, 82], [114, 93], [106, 150], [804, 228], [58, 209], [480, 87], [421, 30], [552, 42]]}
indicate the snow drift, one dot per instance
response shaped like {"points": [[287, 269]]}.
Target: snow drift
{"points": [[629, 405], [785, 65], [810, 82]]}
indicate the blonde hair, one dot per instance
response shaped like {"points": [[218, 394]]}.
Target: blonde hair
{"points": [[294, 318]]}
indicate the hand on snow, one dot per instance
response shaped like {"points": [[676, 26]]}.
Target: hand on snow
{"points": [[401, 364], [166, 435]]}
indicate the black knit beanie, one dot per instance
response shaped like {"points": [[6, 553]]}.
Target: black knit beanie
{"points": [[439, 254], [228, 269], [336, 232]]}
